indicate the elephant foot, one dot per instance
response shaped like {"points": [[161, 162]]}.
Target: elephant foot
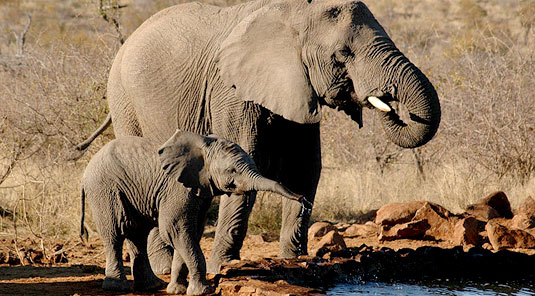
{"points": [[176, 288], [213, 267], [150, 285], [199, 288], [112, 284]]}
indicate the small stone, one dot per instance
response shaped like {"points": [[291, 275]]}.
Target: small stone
{"points": [[256, 238], [361, 230], [331, 242], [501, 237], [466, 232], [341, 227], [396, 213], [487, 246], [319, 229], [413, 229]]}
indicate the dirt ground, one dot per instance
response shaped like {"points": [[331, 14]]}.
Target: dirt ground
{"points": [[83, 271]]}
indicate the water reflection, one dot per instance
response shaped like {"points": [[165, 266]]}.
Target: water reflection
{"points": [[443, 287]]}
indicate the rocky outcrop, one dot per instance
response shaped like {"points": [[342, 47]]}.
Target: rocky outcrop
{"points": [[310, 276]]}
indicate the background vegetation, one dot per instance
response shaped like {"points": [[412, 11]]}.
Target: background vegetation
{"points": [[55, 57]]}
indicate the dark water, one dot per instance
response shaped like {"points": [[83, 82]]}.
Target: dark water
{"points": [[434, 288]]}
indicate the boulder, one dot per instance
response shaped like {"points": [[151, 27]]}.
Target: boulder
{"points": [[466, 232], [368, 229], [501, 237], [413, 230], [319, 229], [440, 226], [396, 213], [497, 201], [331, 242], [483, 212]]}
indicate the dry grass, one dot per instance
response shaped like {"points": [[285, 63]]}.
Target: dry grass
{"points": [[479, 54]]}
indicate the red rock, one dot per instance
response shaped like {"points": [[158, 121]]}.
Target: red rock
{"points": [[368, 229], [501, 237], [319, 229], [440, 227], [466, 232], [523, 221], [395, 213], [483, 212], [497, 201], [413, 229], [331, 242]]}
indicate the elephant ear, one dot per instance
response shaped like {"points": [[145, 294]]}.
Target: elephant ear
{"points": [[261, 59], [183, 154]]}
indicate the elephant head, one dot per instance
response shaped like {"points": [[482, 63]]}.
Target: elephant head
{"points": [[213, 165], [293, 56]]}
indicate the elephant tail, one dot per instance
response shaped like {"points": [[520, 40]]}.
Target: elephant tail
{"points": [[84, 235], [82, 147]]}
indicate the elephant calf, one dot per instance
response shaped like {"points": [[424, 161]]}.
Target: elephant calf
{"points": [[131, 189]]}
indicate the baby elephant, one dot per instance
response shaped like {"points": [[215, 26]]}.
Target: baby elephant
{"points": [[132, 186]]}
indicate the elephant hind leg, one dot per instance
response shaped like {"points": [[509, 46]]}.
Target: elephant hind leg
{"points": [[144, 277], [160, 254]]}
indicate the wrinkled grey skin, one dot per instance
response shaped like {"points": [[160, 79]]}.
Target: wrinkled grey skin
{"points": [[258, 73], [131, 190]]}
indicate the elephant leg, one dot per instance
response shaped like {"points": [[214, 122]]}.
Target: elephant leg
{"points": [[300, 171], [183, 237], [115, 276], [104, 214], [144, 277], [179, 273], [231, 229], [160, 253]]}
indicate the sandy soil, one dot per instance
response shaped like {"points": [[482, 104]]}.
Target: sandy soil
{"points": [[83, 272]]}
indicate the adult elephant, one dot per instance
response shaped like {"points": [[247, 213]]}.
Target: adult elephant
{"points": [[258, 73]]}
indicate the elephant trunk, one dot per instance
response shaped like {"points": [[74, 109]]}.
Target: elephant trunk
{"points": [[417, 94], [264, 184]]}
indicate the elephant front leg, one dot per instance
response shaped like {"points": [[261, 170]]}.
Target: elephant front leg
{"points": [[179, 273], [231, 229], [300, 171]]}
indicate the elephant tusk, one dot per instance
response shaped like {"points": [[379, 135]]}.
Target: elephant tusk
{"points": [[377, 103]]}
